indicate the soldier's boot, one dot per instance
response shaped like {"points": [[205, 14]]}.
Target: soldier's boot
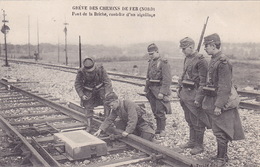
{"points": [[216, 156], [147, 136], [198, 148], [156, 141], [89, 124], [222, 157], [158, 126], [191, 142], [163, 124]]}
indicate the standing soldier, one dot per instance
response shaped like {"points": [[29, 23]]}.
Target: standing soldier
{"points": [[190, 92], [157, 87], [221, 100], [91, 84], [130, 116]]}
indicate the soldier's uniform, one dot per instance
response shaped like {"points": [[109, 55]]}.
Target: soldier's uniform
{"points": [[131, 119], [191, 82], [92, 82], [158, 80], [226, 126]]}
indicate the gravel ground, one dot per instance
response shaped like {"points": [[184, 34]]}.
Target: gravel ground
{"points": [[61, 85]]}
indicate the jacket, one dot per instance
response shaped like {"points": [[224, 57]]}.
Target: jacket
{"points": [[158, 70], [220, 77], [129, 112], [194, 70], [87, 81]]}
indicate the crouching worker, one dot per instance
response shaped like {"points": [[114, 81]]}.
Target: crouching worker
{"points": [[130, 115], [91, 84]]}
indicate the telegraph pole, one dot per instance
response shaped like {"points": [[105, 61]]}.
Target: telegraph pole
{"points": [[58, 48], [5, 29], [38, 46], [79, 52], [65, 31], [0, 49], [29, 47], [57, 29]]}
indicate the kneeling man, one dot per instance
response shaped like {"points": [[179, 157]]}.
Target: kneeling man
{"points": [[131, 118]]}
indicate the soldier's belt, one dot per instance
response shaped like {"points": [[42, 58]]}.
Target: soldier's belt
{"points": [[88, 88], [96, 87], [154, 81], [209, 91], [188, 84], [99, 86]]}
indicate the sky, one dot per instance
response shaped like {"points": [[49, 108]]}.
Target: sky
{"points": [[234, 21]]}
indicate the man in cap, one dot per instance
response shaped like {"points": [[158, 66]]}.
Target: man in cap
{"points": [[91, 84], [157, 88], [131, 118], [226, 123], [190, 92]]}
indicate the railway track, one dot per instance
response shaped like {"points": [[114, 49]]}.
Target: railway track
{"points": [[248, 98], [33, 122]]}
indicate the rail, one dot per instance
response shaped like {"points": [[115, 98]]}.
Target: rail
{"points": [[242, 93], [40, 157]]}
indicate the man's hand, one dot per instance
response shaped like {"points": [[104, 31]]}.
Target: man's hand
{"points": [[124, 134], [160, 96], [84, 97], [217, 111], [97, 133], [197, 104]]}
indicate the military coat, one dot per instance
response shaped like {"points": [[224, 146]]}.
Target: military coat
{"points": [[92, 83], [159, 69], [195, 70], [128, 112], [220, 77]]}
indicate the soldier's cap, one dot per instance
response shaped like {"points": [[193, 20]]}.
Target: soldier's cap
{"points": [[110, 97], [186, 42], [89, 64], [213, 38], [152, 48]]}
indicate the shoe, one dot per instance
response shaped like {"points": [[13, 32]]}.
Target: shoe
{"points": [[216, 157], [189, 144], [197, 149], [219, 162], [88, 129], [156, 141], [157, 131], [162, 133]]}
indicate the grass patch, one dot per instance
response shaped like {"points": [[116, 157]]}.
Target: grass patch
{"points": [[245, 73]]}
